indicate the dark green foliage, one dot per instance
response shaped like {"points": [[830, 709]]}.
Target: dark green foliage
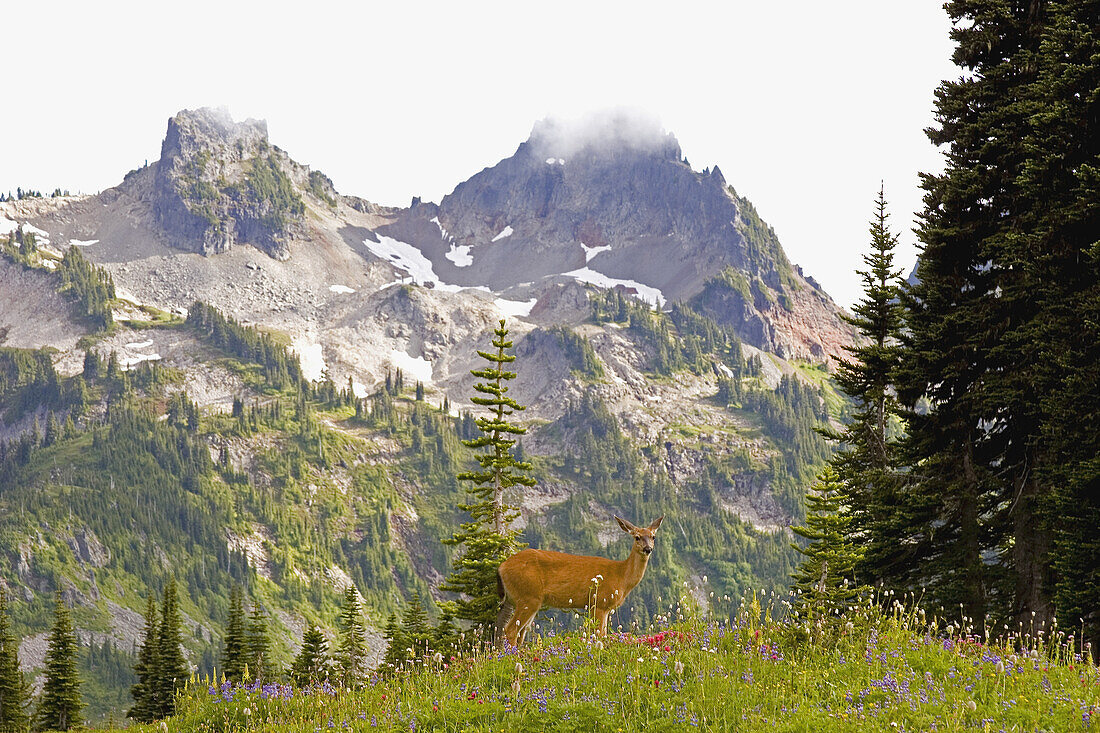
{"points": [[867, 466], [311, 666], [91, 288], [1061, 182], [258, 646], [267, 188], [60, 705], [1004, 274], [233, 654], [14, 690], [172, 670], [143, 691], [825, 581], [414, 639], [578, 351], [320, 185], [281, 368], [351, 654], [487, 539]]}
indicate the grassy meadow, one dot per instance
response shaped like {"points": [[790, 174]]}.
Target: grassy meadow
{"points": [[866, 670]]}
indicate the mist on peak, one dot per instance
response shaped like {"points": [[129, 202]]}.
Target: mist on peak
{"points": [[608, 131]]}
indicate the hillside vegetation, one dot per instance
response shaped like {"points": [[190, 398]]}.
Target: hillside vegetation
{"points": [[866, 670]]}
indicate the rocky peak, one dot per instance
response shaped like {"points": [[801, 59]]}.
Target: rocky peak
{"points": [[605, 135], [219, 183]]}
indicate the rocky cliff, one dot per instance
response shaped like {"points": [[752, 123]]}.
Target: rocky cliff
{"points": [[219, 183]]}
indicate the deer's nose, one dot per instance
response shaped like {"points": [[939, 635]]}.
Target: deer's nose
{"points": [[647, 550]]}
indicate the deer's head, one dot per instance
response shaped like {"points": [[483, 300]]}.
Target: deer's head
{"points": [[643, 538]]}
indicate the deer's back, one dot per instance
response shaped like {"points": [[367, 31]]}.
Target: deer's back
{"points": [[555, 578]]}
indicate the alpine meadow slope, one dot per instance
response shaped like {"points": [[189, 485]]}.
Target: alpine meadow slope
{"points": [[278, 399]]}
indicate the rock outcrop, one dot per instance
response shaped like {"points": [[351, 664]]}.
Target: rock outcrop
{"points": [[219, 183]]}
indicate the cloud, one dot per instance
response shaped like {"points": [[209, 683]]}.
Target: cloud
{"points": [[607, 130]]}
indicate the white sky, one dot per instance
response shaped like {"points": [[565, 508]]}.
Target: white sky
{"points": [[804, 105]]}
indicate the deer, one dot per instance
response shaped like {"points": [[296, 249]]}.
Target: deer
{"points": [[532, 579]]}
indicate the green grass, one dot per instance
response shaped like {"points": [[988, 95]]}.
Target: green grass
{"points": [[869, 671]]}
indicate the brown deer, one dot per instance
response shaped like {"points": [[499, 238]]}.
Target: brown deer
{"points": [[531, 579]]}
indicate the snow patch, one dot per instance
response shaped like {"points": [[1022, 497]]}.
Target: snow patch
{"points": [[127, 363], [590, 252], [82, 242], [460, 255], [649, 294], [406, 257], [312, 358], [38, 233], [442, 232], [341, 289], [7, 226], [417, 367], [516, 308], [505, 232], [558, 161], [140, 344]]}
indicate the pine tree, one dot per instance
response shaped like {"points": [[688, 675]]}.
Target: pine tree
{"points": [[415, 628], [172, 671], [311, 666], [233, 643], [488, 539], [14, 691], [258, 645], [145, 669], [351, 656], [60, 704], [1062, 187], [973, 452], [825, 579], [395, 656], [867, 466]]}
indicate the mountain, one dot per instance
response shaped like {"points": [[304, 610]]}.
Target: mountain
{"points": [[673, 361]]}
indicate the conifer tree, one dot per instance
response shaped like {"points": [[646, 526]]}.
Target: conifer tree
{"points": [[233, 643], [172, 671], [351, 656], [966, 354], [145, 669], [1061, 187], [258, 645], [488, 538], [14, 691], [60, 704], [415, 628], [825, 579], [396, 644], [311, 666], [867, 465]]}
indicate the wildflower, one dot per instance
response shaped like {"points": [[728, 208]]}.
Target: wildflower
{"points": [[678, 667]]}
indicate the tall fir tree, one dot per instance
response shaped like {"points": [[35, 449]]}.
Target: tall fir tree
{"points": [[233, 643], [351, 655], [143, 691], [395, 656], [415, 627], [881, 514], [172, 671], [1062, 186], [488, 538], [311, 666], [258, 645], [60, 705], [14, 691], [825, 580], [971, 453]]}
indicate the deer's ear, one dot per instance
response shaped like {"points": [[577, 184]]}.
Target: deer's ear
{"points": [[656, 523], [627, 526]]}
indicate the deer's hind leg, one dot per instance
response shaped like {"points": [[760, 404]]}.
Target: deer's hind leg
{"points": [[520, 622]]}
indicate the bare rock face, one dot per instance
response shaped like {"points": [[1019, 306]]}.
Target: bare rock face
{"points": [[219, 183]]}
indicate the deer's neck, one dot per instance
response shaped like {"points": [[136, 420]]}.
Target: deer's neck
{"points": [[633, 569]]}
